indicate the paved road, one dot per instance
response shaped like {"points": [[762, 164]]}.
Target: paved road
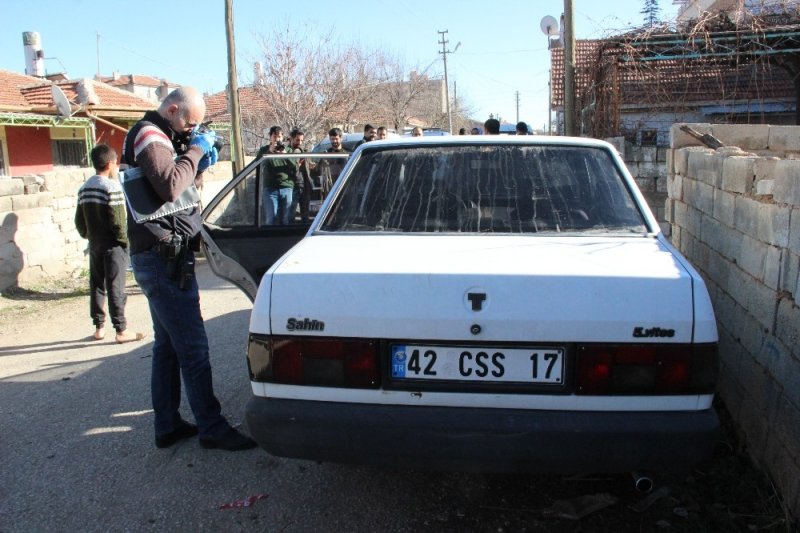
{"points": [[77, 453]]}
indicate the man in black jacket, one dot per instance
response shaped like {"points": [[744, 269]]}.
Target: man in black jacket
{"points": [[165, 146]]}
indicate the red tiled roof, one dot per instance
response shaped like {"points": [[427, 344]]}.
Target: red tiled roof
{"points": [[11, 85], [250, 101], [133, 79]]}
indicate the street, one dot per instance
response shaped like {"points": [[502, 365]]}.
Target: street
{"points": [[76, 443]]}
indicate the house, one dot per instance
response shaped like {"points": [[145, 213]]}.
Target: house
{"points": [[35, 135], [146, 87], [638, 85]]}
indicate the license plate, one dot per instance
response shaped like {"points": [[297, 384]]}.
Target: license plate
{"points": [[468, 363]]}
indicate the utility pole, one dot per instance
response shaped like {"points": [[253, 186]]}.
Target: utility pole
{"points": [[549, 104], [444, 53], [237, 148], [569, 69], [517, 106]]}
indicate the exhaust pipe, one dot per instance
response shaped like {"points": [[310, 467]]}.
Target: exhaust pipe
{"points": [[643, 481]]}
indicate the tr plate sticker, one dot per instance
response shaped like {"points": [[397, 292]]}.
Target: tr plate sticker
{"points": [[398, 361]]}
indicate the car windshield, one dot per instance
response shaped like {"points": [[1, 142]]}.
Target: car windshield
{"points": [[514, 189]]}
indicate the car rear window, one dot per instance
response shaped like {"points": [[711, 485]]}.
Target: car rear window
{"points": [[476, 189]]}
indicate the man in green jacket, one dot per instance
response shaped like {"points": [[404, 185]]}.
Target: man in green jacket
{"points": [[101, 218], [279, 179]]}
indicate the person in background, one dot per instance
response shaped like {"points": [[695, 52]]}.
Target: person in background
{"points": [[522, 128], [101, 218], [462, 131], [492, 126], [475, 131], [302, 182], [369, 135], [381, 133], [279, 179], [416, 132], [165, 145], [329, 170]]}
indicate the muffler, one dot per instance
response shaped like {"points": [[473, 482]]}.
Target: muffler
{"points": [[643, 481]]}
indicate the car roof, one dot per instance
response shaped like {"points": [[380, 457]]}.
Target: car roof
{"points": [[448, 140]]}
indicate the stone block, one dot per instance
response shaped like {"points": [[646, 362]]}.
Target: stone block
{"points": [[772, 267], [11, 186], [35, 215], [669, 159], [703, 198], [64, 215], [755, 428], [784, 138], [67, 202], [706, 167], [6, 204], [679, 139], [675, 186], [765, 187], [746, 137], [661, 185], [649, 154], [753, 295], [724, 207], [645, 185], [663, 155], [752, 257], [22, 202], [633, 154], [790, 274], [794, 231], [45, 199], [738, 174], [774, 224], [787, 326], [764, 167], [650, 169], [746, 215], [787, 182]]}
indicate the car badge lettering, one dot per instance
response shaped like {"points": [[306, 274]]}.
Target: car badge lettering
{"points": [[476, 299], [305, 324], [641, 332]]}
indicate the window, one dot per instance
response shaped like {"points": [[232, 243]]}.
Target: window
{"points": [[70, 153]]}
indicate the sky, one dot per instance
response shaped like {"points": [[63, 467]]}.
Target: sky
{"points": [[502, 52]]}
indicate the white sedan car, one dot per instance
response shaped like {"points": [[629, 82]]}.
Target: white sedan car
{"points": [[501, 304]]}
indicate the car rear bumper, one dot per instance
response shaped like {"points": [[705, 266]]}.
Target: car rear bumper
{"points": [[482, 440]]}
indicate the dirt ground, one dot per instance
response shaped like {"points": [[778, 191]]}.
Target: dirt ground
{"points": [[725, 495]]}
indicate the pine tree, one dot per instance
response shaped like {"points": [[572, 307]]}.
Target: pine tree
{"points": [[651, 12]]}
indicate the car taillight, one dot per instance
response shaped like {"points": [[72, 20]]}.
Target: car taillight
{"points": [[328, 362], [603, 369]]}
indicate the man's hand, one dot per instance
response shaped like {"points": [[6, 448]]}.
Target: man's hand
{"points": [[204, 141], [208, 160]]}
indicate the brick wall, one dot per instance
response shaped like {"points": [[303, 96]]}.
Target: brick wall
{"points": [[38, 238], [735, 213]]}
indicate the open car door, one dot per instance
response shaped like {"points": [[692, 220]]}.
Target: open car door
{"points": [[237, 242]]}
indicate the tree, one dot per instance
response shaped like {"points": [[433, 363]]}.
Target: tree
{"points": [[651, 12]]}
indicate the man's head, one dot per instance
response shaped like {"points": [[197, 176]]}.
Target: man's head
{"points": [[296, 138], [369, 132], [104, 159], [381, 133], [184, 109], [492, 126], [416, 132], [475, 131], [522, 128], [462, 131], [275, 135], [335, 136]]}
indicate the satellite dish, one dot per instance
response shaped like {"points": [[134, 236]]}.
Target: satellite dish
{"points": [[549, 26], [62, 104]]}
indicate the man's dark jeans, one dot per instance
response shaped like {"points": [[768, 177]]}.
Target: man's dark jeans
{"points": [[180, 348]]}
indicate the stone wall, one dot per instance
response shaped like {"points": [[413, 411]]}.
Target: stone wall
{"points": [[735, 213], [648, 166], [38, 238]]}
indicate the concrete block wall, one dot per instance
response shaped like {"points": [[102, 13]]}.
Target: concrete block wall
{"points": [[648, 166], [38, 238], [735, 214]]}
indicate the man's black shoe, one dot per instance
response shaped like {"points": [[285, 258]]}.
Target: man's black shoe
{"points": [[231, 440], [184, 431]]}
